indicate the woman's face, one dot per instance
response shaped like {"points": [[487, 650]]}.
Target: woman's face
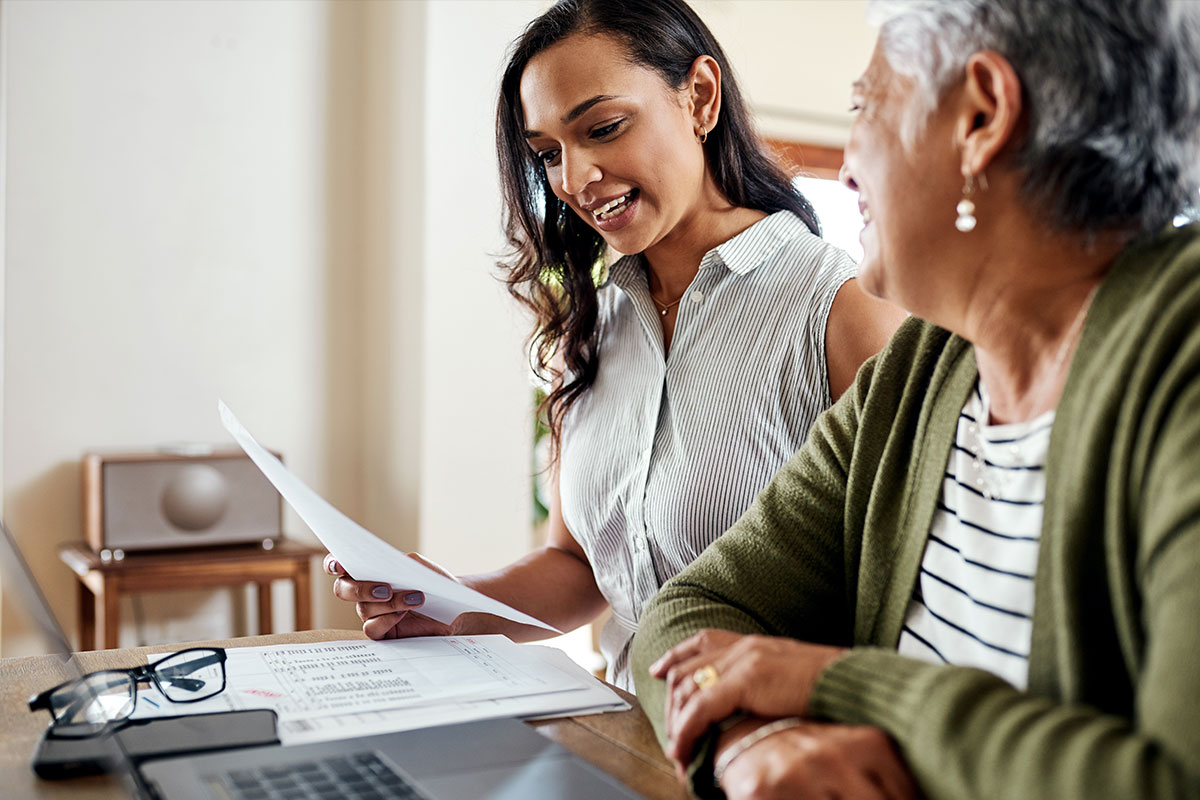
{"points": [[907, 192], [618, 145]]}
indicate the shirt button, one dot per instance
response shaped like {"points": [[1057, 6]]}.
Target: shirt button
{"points": [[697, 297]]}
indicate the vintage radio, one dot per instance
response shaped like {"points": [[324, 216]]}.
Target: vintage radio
{"points": [[170, 499]]}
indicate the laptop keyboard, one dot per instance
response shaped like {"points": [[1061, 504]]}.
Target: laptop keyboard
{"points": [[360, 776]]}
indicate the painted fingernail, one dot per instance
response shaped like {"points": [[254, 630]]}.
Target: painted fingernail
{"points": [[382, 592], [414, 598]]}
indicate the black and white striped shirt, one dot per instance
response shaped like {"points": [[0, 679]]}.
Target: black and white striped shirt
{"points": [[973, 605], [662, 455]]}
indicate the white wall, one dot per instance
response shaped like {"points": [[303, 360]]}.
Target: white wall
{"points": [[470, 490], [795, 60], [448, 397], [292, 205], [167, 244], [235, 199]]}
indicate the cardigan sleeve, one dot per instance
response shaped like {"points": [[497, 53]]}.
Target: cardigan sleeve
{"points": [[966, 733], [803, 594]]}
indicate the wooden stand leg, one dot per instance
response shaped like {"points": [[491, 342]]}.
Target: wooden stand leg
{"points": [[109, 613], [301, 594], [264, 607], [87, 617]]}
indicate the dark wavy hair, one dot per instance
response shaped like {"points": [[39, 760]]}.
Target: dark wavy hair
{"points": [[554, 255]]}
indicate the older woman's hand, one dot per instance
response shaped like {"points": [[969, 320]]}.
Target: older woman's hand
{"points": [[716, 674], [820, 760], [386, 613]]}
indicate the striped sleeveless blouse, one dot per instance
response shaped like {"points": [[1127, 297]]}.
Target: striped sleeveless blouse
{"points": [[662, 454]]}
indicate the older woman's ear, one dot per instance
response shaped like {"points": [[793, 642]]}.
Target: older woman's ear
{"points": [[989, 112]]}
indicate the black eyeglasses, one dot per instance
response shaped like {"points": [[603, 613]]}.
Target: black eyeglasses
{"points": [[89, 706]]}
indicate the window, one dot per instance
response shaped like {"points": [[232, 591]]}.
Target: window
{"points": [[837, 208]]}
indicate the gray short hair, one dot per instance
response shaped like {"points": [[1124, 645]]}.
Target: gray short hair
{"points": [[1112, 93]]}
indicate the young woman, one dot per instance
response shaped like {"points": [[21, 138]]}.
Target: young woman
{"points": [[691, 375]]}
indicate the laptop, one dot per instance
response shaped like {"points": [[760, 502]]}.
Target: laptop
{"points": [[497, 759]]}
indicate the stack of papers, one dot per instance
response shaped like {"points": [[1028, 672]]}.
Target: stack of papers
{"points": [[334, 690]]}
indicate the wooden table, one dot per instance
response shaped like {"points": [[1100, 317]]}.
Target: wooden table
{"points": [[103, 583], [620, 743]]}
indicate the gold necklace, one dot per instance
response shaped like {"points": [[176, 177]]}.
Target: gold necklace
{"points": [[665, 308]]}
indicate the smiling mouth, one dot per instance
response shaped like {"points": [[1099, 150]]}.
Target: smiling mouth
{"points": [[614, 208]]}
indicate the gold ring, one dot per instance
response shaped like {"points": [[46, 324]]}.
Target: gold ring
{"points": [[706, 676]]}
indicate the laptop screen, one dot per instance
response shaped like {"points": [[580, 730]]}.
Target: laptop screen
{"points": [[18, 579]]}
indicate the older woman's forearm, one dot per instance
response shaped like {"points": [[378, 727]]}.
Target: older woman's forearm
{"points": [[758, 577], [966, 733]]}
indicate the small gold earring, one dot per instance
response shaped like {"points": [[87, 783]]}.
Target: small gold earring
{"points": [[703, 134]]}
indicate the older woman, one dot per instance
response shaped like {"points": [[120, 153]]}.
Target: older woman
{"points": [[981, 574]]}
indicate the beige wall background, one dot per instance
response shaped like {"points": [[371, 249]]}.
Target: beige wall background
{"points": [[292, 205]]}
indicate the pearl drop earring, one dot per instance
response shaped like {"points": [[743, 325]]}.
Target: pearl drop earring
{"points": [[966, 221]]}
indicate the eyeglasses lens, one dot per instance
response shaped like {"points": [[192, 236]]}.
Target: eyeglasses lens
{"points": [[93, 702], [189, 676]]}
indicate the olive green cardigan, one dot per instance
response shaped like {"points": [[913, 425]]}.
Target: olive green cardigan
{"points": [[830, 551]]}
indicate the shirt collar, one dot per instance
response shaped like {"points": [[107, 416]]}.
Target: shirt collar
{"points": [[741, 255]]}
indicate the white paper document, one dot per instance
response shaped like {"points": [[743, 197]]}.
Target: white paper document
{"points": [[331, 690], [363, 554], [588, 696]]}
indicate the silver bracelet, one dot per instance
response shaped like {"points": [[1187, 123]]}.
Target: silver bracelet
{"points": [[749, 740]]}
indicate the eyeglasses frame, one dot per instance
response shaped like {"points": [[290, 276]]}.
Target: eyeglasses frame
{"points": [[147, 673]]}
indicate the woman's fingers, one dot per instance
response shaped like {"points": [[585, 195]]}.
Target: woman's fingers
{"points": [[680, 652], [701, 709], [820, 760], [715, 660], [768, 676], [693, 707], [402, 624], [691, 647], [370, 592], [382, 626], [682, 687], [723, 674], [399, 602], [884, 765], [385, 611]]}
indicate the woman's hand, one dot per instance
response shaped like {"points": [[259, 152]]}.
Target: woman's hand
{"points": [[766, 676], [386, 613], [819, 760]]}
